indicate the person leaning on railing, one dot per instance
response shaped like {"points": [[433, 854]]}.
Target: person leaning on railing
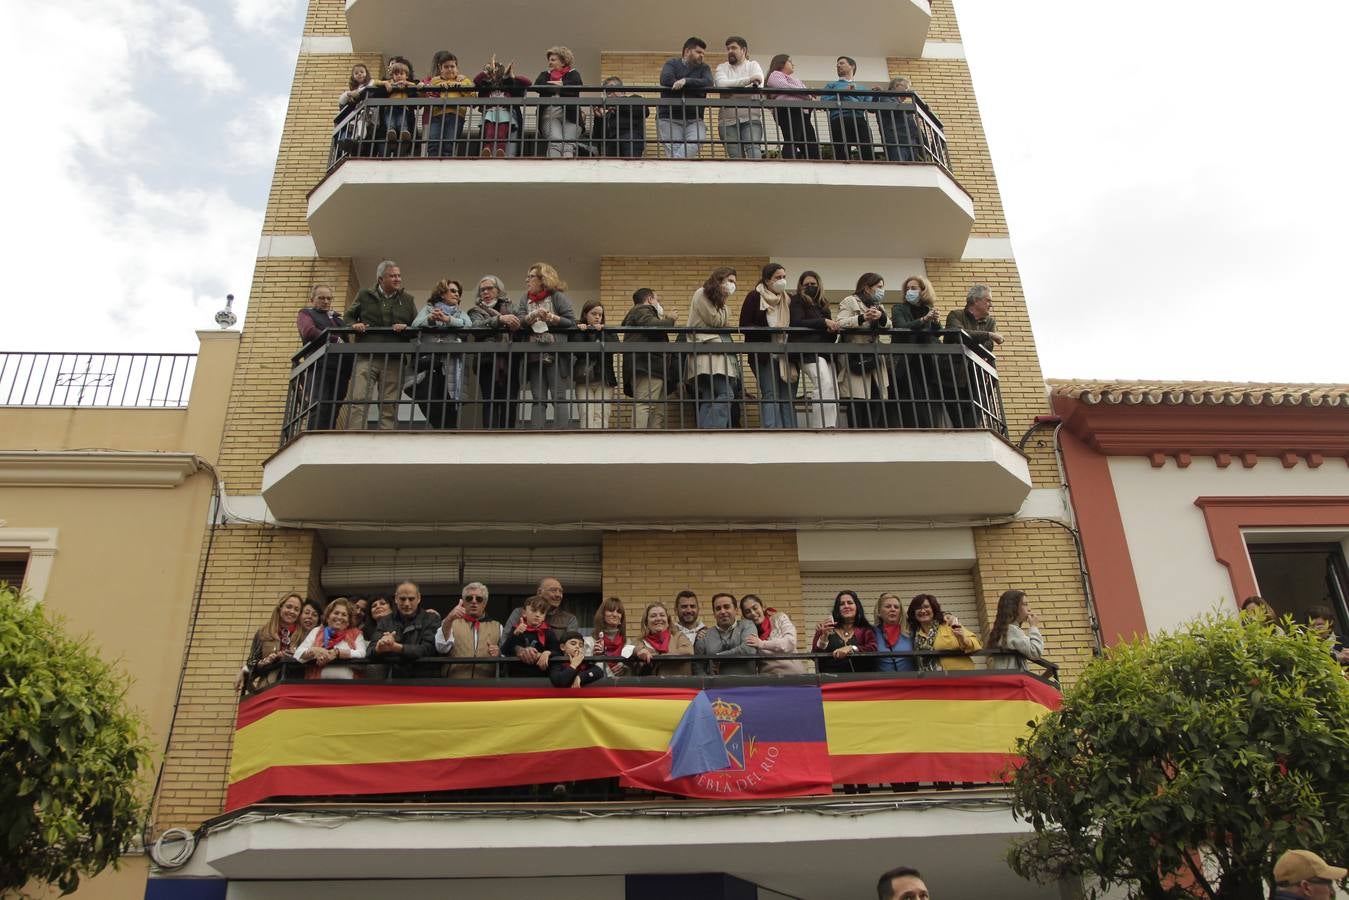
{"points": [[546, 314], [846, 632], [660, 642], [619, 129], [356, 133], [740, 127], [775, 633], [379, 608], [273, 644], [890, 636], [797, 123], [648, 374], [378, 377], [317, 324], [337, 639], [311, 614], [498, 380], [934, 630], [1008, 632], [728, 636], [568, 667], [400, 124], [866, 379], [445, 124], [977, 321], [408, 634], [465, 631], [712, 374], [679, 125], [609, 637], [915, 377], [899, 127], [848, 123], [501, 124], [440, 376], [560, 126], [529, 641], [810, 309], [769, 306], [593, 373]]}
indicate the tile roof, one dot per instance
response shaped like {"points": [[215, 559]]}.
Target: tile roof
{"points": [[1200, 393]]}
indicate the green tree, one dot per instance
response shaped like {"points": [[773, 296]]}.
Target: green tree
{"points": [[1206, 753], [71, 754]]}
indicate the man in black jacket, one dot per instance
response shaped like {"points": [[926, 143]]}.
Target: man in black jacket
{"points": [[680, 125], [647, 375], [408, 634]]}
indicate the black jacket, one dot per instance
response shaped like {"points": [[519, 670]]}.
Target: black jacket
{"points": [[417, 635], [513, 641], [654, 362], [572, 113], [561, 674], [697, 79], [590, 368]]}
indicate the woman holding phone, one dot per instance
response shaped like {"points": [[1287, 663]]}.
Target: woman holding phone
{"points": [[933, 629]]}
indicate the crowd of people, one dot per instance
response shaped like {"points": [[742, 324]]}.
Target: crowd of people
{"points": [[857, 383], [542, 639], [613, 128]]}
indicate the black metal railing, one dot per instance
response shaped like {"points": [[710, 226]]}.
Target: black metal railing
{"points": [[625, 379], [638, 123], [142, 380]]}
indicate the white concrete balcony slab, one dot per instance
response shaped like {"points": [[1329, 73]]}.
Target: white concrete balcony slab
{"points": [[521, 30], [615, 478], [633, 208]]}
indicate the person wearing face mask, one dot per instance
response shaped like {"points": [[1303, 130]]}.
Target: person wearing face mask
{"points": [[915, 375], [866, 377], [647, 374], [810, 309], [769, 306], [712, 374]]}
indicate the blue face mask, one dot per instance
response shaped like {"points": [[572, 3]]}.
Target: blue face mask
{"points": [[911, 296], [878, 294]]}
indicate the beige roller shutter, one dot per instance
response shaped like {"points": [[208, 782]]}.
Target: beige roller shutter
{"points": [[954, 589], [437, 569]]}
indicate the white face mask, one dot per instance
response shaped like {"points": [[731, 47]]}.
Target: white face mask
{"points": [[779, 286], [728, 288]]}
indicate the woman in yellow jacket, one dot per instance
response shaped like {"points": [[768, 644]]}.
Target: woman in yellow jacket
{"points": [[934, 630]]}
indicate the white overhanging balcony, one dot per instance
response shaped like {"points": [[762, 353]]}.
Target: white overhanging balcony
{"points": [[522, 29]]}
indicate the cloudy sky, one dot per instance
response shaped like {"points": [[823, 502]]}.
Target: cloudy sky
{"points": [[1172, 174]]}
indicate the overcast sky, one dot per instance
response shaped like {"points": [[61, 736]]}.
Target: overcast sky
{"points": [[1171, 173]]}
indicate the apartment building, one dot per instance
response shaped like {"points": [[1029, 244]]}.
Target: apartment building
{"points": [[964, 504]]}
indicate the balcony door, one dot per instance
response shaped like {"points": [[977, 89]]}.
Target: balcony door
{"points": [[1294, 577]]}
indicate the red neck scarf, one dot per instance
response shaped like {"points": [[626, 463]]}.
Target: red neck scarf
{"points": [[332, 637], [766, 625], [659, 641], [540, 632], [613, 646], [558, 74], [473, 621], [892, 633], [539, 297]]}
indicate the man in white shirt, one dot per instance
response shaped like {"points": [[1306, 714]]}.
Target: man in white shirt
{"points": [[741, 128]]}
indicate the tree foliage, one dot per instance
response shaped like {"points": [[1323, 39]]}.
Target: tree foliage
{"points": [[1205, 753], [71, 754]]}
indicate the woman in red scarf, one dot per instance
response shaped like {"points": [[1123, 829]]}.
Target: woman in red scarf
{"points": [[334, 641], [658, 641], [272, 645], [610, 635], [561, 126], [547, 315], [776, 634]]}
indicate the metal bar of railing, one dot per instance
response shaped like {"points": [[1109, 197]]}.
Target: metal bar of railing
{"points": [[132, 380]]}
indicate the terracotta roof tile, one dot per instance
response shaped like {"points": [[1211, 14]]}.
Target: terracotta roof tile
{"points": [[1201, 393]]}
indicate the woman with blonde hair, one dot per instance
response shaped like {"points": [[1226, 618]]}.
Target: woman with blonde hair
{"points": [[713, 374], [890, 636], [659, 641], [273, 644], [337, 639], [915, 375], [560, 126], [546, 314]]}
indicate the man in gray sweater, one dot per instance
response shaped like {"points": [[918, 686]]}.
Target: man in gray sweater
{"points": [[726, 638]]}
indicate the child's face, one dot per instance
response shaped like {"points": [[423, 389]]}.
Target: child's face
{"points": [[534, 617], [572, 646], [398, 72], [449, 69], [361, 74]]}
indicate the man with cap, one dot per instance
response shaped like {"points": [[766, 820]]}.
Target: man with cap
{"points": [[1301, 873]]}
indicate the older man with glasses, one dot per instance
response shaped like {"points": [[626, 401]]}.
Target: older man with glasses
{"points": [[467, 632]]}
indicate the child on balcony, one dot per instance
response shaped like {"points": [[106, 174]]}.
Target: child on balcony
{"points": [[500, 123], [399, 121], [359, 127], [445, 123], [570, 669], [532, 633]]}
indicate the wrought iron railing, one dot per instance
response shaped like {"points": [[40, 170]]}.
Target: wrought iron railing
{"points": [[141, 380], [638, 123], [622, 380]]}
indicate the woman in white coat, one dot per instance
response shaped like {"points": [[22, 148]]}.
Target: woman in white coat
{"points": [[1015, 627]]}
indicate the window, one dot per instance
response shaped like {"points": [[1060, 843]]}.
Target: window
{"points": [[1293, 577], [13, 568]]}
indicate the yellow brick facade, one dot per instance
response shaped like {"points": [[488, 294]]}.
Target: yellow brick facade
{"points": [[326, 17], [943, 27], [248, 570]]}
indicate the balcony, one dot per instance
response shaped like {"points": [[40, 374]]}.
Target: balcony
{"points": [[928, 441], [590, 771], [520, 29], [628, 192]]}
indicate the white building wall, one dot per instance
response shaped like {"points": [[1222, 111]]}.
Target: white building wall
{"points": [[1169, 545]]}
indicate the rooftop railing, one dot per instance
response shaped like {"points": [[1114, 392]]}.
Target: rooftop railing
{"points": [[637, 123], [621, 380], [118, 380]]}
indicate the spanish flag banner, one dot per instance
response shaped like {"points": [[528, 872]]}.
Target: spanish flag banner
{"points": [[350, 739]]}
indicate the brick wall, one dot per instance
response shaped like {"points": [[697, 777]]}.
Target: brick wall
{"points": [[248, 571], [642, 567], [1040, 559], [258, 403], [943, 27], [326, 17]]}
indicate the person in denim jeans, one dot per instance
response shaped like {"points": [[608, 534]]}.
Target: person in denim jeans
{"points": [[769, 306], [680, 125], [399, 122], [445, 124], [741, 128], [713, 374]]}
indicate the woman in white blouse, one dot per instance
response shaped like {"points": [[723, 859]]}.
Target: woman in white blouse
{"points": [[333, 641], [1016, 628]]}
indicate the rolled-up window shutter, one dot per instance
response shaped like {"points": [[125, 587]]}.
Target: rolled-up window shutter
{"points": [[436, 570]]}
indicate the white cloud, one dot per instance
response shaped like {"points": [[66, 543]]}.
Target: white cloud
{"points": [[263, 15], [255, 133]]}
